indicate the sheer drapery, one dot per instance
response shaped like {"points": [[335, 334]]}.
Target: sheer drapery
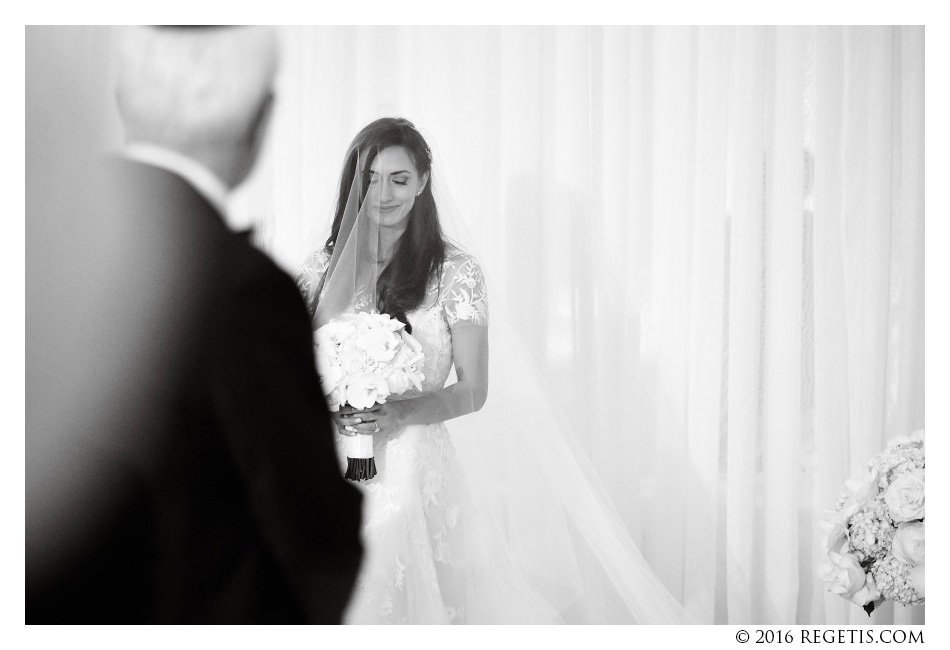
{"points": [[723, 283]]}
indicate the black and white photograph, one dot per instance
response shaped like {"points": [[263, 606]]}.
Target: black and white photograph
{"points": [[477, 325]]}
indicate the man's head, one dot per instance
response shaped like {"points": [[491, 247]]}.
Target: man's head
{"points": [[203, 92]]}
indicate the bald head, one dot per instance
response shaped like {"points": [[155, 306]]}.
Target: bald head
{"points": [[204, 92]]}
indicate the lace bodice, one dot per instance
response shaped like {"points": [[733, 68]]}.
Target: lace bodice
{"points": [[419, 529], [456, 297]]}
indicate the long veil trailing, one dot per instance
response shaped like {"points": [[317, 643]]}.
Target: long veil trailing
{"points": [[527, 473]]}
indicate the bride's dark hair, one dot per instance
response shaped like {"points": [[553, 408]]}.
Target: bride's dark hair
{"points": [[401, 287]]}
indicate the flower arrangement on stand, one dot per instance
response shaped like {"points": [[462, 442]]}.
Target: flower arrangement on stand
{"points": [[874, 537]]}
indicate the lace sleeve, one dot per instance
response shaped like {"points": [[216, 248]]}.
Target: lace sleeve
{"points": [[310, 275], [463, 293]]}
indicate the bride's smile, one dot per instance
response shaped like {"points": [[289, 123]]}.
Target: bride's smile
{"points": [[394, 183]]}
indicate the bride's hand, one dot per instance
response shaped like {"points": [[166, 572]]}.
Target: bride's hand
{"points": [[350, 421], [389, 416], [376, 419]]}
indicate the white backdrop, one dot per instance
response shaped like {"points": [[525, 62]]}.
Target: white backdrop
{"points": [[711, 238]]}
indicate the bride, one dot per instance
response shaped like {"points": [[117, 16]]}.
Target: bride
{"points": [[502, 536]]}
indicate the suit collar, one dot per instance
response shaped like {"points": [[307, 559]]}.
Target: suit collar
{"points": [[202, 179]]}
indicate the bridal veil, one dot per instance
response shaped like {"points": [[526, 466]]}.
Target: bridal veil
{"points": [[528, 474]]}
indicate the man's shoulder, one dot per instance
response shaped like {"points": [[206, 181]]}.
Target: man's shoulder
{"points": [[135, 175], [156, 203]]}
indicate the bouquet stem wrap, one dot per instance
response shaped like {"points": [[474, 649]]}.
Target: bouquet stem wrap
{"points": [[360, 461]]}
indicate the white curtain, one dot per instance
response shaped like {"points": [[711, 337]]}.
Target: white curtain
{"points": [[711, 238]]}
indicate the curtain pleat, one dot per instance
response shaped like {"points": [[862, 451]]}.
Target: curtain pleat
{"points": [[743, 489]]}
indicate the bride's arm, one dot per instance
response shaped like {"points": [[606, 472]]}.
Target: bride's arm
{"points": [[467, 395]]}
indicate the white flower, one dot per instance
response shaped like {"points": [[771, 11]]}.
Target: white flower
{"points": [[916, 579], [834, 528], [398, 382], [351, 360], [875, 537], [916, 440], [893, 578], [409, 353], [331, 374], [908, 544], [366, 389], [905, 496], [866, 594], [858, 491], [362, 358], [335, 398], [843, 575], [378, 342], [336, 331], [896, 442], [408, 359]]}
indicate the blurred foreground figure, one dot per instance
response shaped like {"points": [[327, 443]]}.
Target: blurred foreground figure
{"points": [[180, 465]]}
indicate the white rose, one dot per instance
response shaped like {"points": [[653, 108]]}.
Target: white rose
{"points": [[834, 528], [366, 389], [905, 497], [916, 578], [843, 575], [908, 544], [860, 490]]}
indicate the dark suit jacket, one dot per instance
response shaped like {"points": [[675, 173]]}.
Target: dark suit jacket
{"points": [[204, 486]]}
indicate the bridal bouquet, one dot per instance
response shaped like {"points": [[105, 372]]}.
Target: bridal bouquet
{"points": [[875, 535], [362, 359]]}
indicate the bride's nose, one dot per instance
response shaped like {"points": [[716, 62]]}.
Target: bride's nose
{"points": [[386, 193]]}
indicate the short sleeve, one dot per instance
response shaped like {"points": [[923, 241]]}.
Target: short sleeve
{"points": [[463, 294], [310, 274]]}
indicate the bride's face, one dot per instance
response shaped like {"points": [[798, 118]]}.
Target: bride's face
{"points": [[394, 184]]}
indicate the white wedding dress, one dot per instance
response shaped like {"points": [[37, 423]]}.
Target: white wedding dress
{"points": [[430, 554]]}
